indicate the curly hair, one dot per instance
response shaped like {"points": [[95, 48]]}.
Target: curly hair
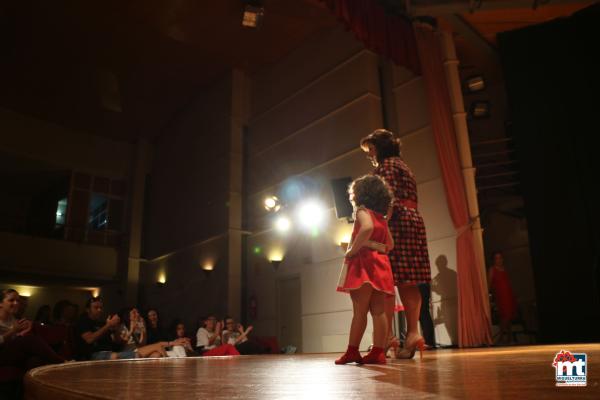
{"points": [[385, 142], [372, 192]]}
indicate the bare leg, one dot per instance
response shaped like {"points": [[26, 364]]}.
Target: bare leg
{"points": [[411, 298], [152, 350], [360, 305], [390, 302], [380, 324]]}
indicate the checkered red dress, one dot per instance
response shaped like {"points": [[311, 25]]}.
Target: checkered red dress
{"points": [[409, 258]]}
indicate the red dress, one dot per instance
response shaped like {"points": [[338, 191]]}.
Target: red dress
{"points": [[410, 257], [368, 266], [503, 294]]}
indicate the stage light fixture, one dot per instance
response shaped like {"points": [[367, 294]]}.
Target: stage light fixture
{"points": [[272, 204], [253, 15], [475, 84], [283, 224], [480, 109], [311, 215]]}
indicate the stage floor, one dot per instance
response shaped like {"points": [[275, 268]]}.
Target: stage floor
{"points": [[506, 372]]}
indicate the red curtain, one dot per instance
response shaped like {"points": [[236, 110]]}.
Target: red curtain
{"points": [[389, 35], [473, 319]]}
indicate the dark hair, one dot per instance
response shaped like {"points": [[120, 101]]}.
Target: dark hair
{"points": [[6, 292], [147, 319], [372, 192], [59, 309], [91, 300], [43, 314], [124, 314], [386, 144], [173, 327]]}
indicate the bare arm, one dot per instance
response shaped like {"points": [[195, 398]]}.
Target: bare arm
{"points": [[363, 235], [389, 244], [490, 275], [91, 337], [243, 335], [143, 335]]}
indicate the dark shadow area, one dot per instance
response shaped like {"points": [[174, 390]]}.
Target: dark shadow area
{"points": [[552, 80]]}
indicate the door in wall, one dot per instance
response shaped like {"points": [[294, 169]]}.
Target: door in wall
{"points": [[290, 312]]}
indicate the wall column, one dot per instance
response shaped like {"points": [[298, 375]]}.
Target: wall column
{"points": [[239, 112], [141, 167], [464, 150]]}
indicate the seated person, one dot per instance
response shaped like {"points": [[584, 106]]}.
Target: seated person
{"points": [[98, 339], [154, 327], [179, 334], [18, 346], [132, 330], [42, 316], [235, 335], [208, 339]]}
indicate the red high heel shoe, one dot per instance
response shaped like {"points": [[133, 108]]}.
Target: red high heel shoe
{"points": [[408, 352]]}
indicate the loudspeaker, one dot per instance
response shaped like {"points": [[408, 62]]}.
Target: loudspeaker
{"points": [[343, 207]]}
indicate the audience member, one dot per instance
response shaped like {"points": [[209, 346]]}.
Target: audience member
{"points": [[64, 313], [208, 339], [178, 332], [18, 346], [99, 339], [43, 315], [154, 327], [132, 330], [235, 335]]}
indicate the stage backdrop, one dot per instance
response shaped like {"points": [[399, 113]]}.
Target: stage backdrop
{"points": [[552, 82]]}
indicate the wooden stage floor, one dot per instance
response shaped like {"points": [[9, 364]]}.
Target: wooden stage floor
{"points": [[493, 373]]}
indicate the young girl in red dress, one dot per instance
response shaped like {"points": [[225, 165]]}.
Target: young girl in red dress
{"points": [[499, 283], [367, 274]]}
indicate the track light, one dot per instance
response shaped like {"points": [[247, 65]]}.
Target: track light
{"points": [[480, 109], [475, 84], [272, 204], [253, 14]]}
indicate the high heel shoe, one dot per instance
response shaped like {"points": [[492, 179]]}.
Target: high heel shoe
{"points": [[392, 347], [408, 352]]}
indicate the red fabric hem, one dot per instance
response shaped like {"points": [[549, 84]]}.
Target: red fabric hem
{"points": [[348, 290]]}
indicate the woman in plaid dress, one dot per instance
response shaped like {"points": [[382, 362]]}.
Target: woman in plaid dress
{"points": [[410, 258]]}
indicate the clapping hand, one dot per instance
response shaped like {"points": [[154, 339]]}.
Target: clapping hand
{"points": [[23, 326], [113, 321]]}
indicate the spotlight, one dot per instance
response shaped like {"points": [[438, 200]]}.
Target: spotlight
{"points": [[475, 84], [272, 204], [311, 215], [253, 15], [283, 224], [480, 109]]}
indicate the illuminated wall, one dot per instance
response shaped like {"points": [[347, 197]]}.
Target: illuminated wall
{"points": [[308, 113]]}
